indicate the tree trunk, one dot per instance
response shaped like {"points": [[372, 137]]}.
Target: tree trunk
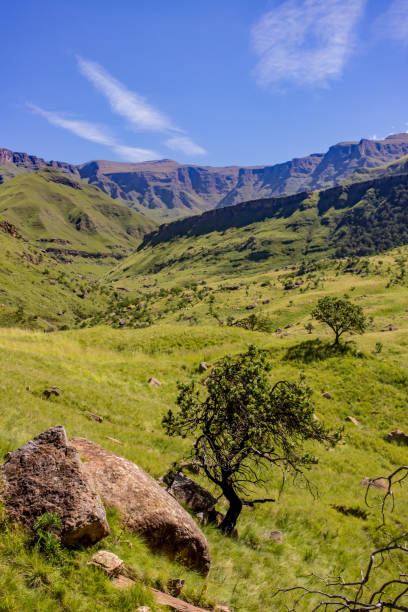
{"points": [[234, 510]]}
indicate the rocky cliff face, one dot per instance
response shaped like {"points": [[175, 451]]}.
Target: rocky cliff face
{"points": [[318, 171], [166, 190], [12, 163], [163, 186]]}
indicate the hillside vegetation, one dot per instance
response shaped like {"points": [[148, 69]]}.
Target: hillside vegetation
{"points": [[54, 209], [105, 371], [194, 292], [58, 238], [359, 219]]}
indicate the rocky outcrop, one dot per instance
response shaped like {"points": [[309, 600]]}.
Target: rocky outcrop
{"points": [[163, 185], [63, 253], [145, 507], [191, 494], [46, 475], [172, 190], [9, 228], [397, 435], [316, 171], [32, 163]]}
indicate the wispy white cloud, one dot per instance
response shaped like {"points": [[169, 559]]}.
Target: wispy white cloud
{"points": [[134, 154], [124, 102], [185, 145], [394, 22], [94, 133], [305, 41], [135, 109]]}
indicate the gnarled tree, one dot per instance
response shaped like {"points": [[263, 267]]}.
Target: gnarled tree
{"points": [[246, 425]]}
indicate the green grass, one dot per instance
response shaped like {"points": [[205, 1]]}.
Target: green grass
{"points": [[106, 371], [187, 305], [48, 206]]}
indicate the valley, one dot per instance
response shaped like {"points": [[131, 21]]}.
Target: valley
{"points": [[125, 301]]}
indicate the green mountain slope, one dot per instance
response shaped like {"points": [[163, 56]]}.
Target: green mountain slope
{"points": [[65, 215], [358, 219], [400, 166], [38, 291], [58, 238], [105, 371]]}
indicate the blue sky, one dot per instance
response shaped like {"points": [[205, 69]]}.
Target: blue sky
{"points": [[210, 83]]}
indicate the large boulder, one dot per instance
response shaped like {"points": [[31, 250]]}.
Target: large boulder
{"points": [[145, 506], [190, 493], [46, 475]]}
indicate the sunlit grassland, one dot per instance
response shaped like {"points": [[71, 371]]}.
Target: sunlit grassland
{"points": [[105, 371]]}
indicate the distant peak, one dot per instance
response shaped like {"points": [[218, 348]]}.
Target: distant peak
{"points": [[401, 136]]}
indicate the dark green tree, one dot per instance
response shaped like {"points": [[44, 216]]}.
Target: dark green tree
{"points": [[254, 323], [246, 425], [340, 315]]}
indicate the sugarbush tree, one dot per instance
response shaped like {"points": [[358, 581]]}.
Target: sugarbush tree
{"points": [[340, 315], [244, 426]]}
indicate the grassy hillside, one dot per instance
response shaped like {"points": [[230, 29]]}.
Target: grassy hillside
{"points": [[400, 166], [359, 219], [63, 214], [105, 371], [58, 239], [38, 292], [176, 302]]}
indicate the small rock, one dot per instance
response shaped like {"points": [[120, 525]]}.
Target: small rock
{"points": [[378, 483], [175, 586], [251, 306], [154, 382], [279, 330], [327, 395], [315, 417], [398, 436], [143, 609], [108, 562], [353, 420], [390, 327], [122, 582], [203, 367], [276, 536], [94, 417], [122, 321], [53, 390], [288, 326], [265, 301]]}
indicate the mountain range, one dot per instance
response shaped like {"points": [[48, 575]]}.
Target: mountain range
{"points": [[165, 190]]}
